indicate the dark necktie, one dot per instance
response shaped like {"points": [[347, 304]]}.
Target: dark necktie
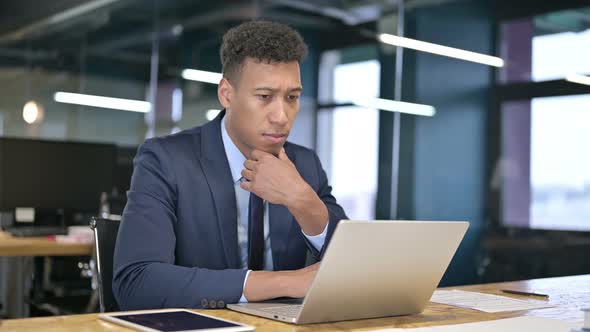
{"points": [[255, 233]]}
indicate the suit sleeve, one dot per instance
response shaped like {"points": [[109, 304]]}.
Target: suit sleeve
{"points": [[144, 272], [335, 211]]}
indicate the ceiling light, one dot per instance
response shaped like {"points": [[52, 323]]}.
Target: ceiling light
{"points": [[32, 112], [177, 30], [440, 50], [202, 76], [104, 102], [577, 78], [395, 106]]}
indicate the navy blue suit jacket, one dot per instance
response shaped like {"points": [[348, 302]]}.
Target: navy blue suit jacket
{"points": [[177, 244]]}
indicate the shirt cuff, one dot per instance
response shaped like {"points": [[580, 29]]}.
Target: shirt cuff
{"points": [[317, 241], [243, 298]]}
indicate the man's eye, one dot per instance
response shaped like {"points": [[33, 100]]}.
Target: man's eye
{"points": [[264, 97], [293, 97]]}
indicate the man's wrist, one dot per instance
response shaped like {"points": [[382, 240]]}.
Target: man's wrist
{"points": [[309, 210], [288, 282], [300, 196], [264, 285]]}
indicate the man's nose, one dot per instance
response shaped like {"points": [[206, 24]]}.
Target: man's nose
{"points": [[279, 114]]}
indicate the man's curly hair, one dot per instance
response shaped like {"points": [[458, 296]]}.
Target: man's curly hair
{"points": [[262, 41]]}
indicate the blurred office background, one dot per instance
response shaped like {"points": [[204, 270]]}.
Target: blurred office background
{"points": [[506, 147]]}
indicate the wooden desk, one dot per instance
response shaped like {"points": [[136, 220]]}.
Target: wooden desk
{"points": [[39, 246], [569, 294], [16, 267]]}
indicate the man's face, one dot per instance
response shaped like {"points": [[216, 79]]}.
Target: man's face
{"points": [[261, 105]]}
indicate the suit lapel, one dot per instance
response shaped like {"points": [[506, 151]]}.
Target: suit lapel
{"points": [[218, 175]]}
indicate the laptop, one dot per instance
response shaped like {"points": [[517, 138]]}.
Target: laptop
{"points": [[371, 269]]}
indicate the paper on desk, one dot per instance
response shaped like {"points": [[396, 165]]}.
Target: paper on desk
{"points": [[484, 302], [516, 324]]}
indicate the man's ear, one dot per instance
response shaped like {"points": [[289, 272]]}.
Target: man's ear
{"points": [[225, 93]]}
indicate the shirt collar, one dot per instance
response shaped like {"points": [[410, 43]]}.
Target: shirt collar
{"points": [[235, 158]]}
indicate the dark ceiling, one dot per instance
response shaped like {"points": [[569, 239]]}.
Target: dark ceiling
{"points": [[17, 13], [117, 35]]}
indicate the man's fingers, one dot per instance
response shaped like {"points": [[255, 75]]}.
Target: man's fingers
{"points": [[258, 154], [254, 155], [247, 174], [246, 185], [250, 164]]}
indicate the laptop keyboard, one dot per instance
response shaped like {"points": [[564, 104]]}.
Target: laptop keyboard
{"points": [[285, 310]]}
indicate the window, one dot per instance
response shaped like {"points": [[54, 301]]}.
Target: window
{"points": [[545, 167], [543, 171], [546, 47], [348, 138], [560, 166], [560, 54]]}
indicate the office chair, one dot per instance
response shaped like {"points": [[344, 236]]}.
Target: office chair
{"points": [[105, 236]]}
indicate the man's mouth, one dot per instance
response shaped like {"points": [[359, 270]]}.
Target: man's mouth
{"points": [[275, 138]]}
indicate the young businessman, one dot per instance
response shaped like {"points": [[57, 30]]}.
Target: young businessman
{"points": [[226, 212]]}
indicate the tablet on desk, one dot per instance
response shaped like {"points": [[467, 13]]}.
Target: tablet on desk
{"points": [[173, 320]]}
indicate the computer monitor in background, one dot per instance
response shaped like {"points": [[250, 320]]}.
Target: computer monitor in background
{"points": [[124, 167], [49, 175], [117, 199]]}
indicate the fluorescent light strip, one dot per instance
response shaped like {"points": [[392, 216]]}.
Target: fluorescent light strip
{"points": [[577, 78], [201, 76], [440, 50], [176, 105], [104, 102], [396, 106]]}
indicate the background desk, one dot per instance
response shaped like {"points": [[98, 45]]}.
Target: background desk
{"points": [[39, 246], [569, 294], [16, 267]]}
